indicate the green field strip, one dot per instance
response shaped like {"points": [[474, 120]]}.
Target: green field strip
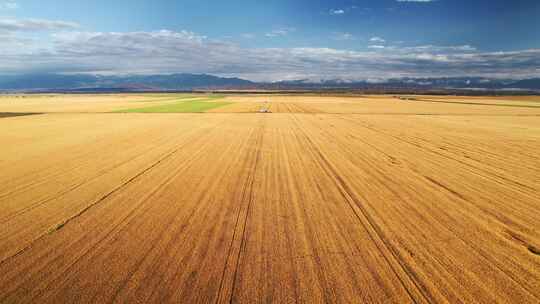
{"points": [[176, 98], [178, 107]]}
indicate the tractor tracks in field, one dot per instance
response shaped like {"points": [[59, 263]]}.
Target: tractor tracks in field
{"points": [[81, 161], [116, 189], [84, 210], [473, 246], [471, 166], [199, 209], [438, 153], [26, 186], [76, 186], [141, 208], [401, 270], [169, 228], [230, 273]]}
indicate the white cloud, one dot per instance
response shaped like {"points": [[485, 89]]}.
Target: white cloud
{"points": [[166, 51], [280, 32], [342, 11], [337, 11], [438, 49], [377, 40], [343, 36], [13, 25], [8, 5], [376, 46]]}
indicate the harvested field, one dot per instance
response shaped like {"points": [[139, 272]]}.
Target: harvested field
{"points": [[102, 103], [382, 104], [326, 199]]}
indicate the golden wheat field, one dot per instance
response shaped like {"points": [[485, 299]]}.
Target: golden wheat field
{"points": [[327, 199]]}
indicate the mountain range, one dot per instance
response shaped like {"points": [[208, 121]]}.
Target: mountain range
{"points": [[84, 82]]}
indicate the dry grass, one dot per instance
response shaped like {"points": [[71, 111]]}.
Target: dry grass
{"points": [[280, 208]]}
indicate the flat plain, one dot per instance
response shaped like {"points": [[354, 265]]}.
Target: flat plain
{"points": [[328, 199]]}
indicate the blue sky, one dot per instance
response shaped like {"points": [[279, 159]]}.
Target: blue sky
{"points": [[273, 40]]}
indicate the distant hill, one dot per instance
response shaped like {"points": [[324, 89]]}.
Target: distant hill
{"points": [[46, 81], [150, 82], [178, 81], [97, 83], [533, 83], [421, 84]]}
